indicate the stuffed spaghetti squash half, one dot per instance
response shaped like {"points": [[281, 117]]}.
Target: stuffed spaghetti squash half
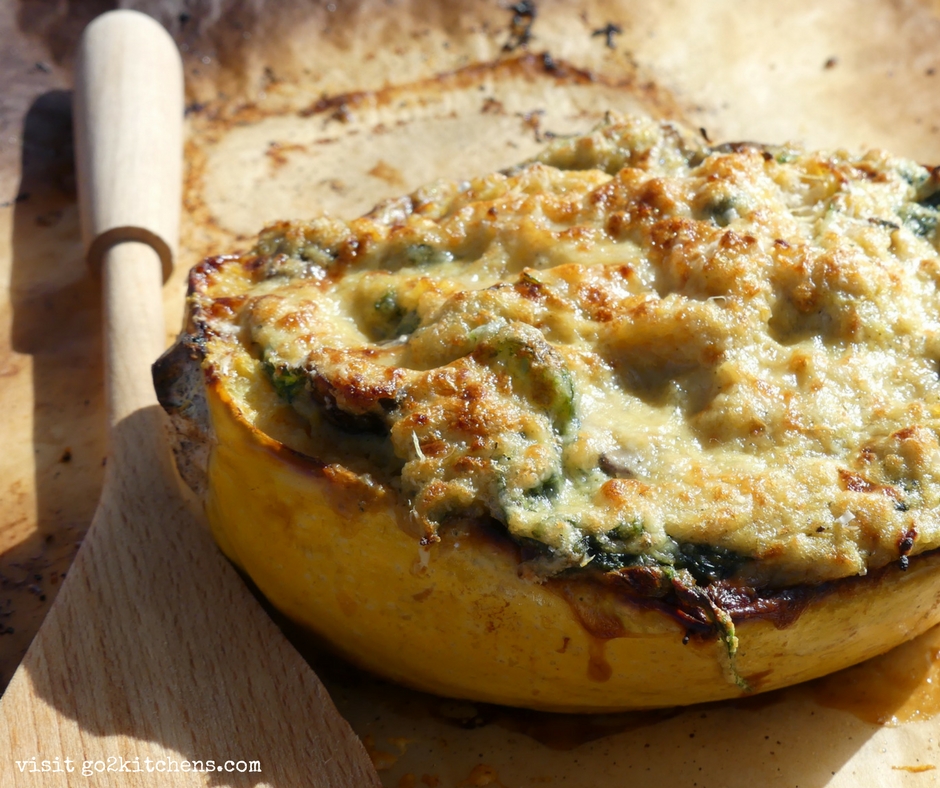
{"points": [[637, 423]]}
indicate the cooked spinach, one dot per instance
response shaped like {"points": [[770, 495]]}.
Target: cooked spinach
{"points": [[425, 255], [392, 319], [919, 218], [289, 382], [707, 563], [538, 373]]}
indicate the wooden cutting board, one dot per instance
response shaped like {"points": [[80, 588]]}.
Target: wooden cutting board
{"points": [[311, 109]]}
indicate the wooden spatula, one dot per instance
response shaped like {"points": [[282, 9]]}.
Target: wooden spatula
{"points": [[155, 660]]}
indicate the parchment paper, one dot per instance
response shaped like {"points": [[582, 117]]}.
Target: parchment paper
{"points": [[297, 109]]}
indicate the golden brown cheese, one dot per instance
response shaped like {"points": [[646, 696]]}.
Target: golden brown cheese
{"points": [[631, 351]]}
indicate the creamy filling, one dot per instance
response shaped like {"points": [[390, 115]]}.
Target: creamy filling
{"points": [[632, 351]]}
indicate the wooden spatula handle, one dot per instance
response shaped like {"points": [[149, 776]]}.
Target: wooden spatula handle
{"points": [[154, 651], [129, 118], [128, 130]]}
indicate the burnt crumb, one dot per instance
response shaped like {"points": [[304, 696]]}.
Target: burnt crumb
{"points": [[906, 543], [831, 63], [525, 9], [703, 131], [608, 31], [21, 197], [339, 107], [884, 223], [520, 28], [277, 152], [66, 455], [49, 218], [492, 106], [533, 120], [342, 113], [548, 62], [742, 146], [194, 108], [37, 592], [467, 717]]}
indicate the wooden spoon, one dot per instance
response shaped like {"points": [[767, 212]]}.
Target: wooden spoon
{"points": [[155, 655]]}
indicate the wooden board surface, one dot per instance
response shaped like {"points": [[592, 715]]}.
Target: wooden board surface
{"points": [[312, 109]]}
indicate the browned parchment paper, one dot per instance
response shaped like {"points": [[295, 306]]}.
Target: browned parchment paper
{"points": [[299, 108]]}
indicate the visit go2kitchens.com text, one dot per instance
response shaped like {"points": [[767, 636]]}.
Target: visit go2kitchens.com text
{"points": [[136, 765]]}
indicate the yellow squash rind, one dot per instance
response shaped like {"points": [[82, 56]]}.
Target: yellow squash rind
{"points": [[333, 551]]}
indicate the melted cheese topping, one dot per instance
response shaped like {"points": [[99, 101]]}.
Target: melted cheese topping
{"points": [[631, 350]]}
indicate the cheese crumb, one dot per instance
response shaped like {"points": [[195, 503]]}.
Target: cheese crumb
{"points": [[845, 518], [418, 451]]}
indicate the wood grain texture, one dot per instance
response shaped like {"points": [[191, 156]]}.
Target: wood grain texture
{"points": [[129, 139], [155, 654]]}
